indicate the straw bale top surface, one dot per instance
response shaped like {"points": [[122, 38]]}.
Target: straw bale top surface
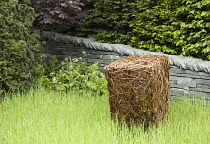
{"points": [[137, 62]]}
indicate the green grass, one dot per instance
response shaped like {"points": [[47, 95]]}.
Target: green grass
{"points": [[42, 117]]}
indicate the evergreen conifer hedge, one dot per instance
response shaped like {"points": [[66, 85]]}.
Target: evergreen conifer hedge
{"points": [[19, 61]]}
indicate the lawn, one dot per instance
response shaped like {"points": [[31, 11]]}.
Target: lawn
{"points": [[81, 117]]}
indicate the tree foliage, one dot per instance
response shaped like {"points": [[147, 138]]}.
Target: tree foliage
{"points": [[62, 12], [192, 28], [152, 29], [18, 46], [169, 26], [108, 21]]}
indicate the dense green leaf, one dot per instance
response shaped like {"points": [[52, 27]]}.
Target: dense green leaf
{"points": [[19, 61]]}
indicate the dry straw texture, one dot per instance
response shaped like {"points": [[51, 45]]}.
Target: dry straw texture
{"points": [[139, 88]]}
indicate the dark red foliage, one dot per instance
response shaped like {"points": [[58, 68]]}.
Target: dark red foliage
{"points": [[65, 12]]}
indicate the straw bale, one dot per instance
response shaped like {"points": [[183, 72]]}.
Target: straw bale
{"points": [[139, 88]]}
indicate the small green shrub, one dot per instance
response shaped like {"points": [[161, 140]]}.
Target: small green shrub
{"points": [[19, 61], [73, 74]]}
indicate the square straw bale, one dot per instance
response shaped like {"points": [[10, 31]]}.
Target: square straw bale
{"points": [[139, 88]]}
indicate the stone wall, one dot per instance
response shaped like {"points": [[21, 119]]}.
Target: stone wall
{"points": [[184, 81], [184, 78], [92, 56]]}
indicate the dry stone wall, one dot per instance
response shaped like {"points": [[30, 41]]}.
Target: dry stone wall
{"points": [[184, 81], [187, 75], [63, 50]]}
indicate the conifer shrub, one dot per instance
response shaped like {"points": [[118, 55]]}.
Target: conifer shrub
{"points": [[19, 47]]}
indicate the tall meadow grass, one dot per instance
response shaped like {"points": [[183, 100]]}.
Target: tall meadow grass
{"points": [[82, 117]]}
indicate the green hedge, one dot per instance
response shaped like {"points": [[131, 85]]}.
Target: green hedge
{"points": [[109, 21], [151, 28], [169, 26], [19, 63], [192, 28]]}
